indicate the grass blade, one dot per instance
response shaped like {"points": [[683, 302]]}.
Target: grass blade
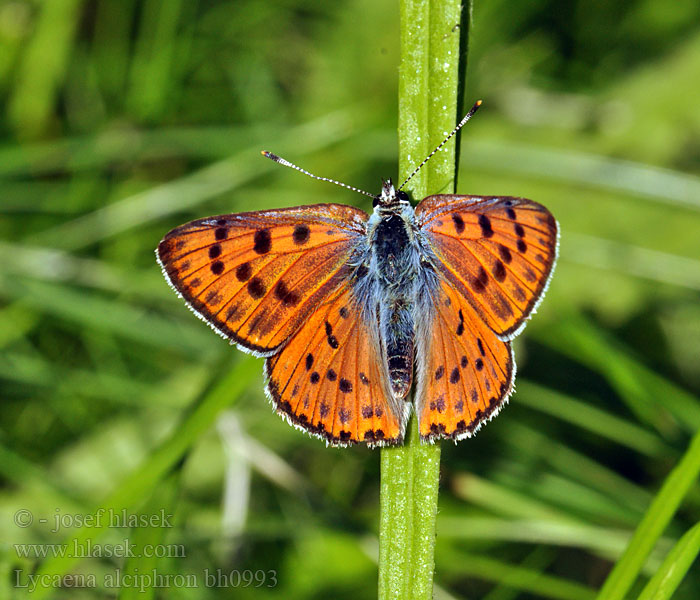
{"points": [[676, 564], [660, 513], [518, 577]]}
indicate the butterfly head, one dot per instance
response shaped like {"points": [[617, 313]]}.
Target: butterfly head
{"points": [[390, 198]]}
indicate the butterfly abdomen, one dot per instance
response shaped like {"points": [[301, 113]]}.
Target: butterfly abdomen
{"points": [[398, 336]]}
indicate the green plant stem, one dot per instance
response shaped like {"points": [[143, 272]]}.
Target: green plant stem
{"points": [[409, 493], [431, 32]]}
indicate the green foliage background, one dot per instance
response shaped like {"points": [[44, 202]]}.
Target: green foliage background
{"points": [[122, 119]]}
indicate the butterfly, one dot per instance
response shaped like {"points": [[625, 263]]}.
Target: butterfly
{"points": [[345, 305]]}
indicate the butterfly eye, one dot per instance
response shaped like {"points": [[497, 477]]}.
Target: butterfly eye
{"points": [[401, 195], [375, 201]]}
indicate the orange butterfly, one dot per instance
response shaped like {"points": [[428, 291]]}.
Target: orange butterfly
{"points": [[342, 303]]}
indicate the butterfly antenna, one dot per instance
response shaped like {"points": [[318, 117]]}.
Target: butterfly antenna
{"points": [[461, 124], [286, 163]]}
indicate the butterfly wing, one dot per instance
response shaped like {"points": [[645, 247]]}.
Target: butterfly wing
{"points": [[465, 372], [256, 277], [498, 252], [493, 258], [279, 283], [330, 378]]}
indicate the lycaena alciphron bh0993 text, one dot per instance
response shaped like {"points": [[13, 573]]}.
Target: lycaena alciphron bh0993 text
{"points": [[343, 305]]}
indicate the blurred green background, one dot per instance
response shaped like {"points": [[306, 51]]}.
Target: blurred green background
{"points": [[122, 119]]}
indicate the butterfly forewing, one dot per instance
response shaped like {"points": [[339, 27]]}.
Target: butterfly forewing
{"points": [[330, 378], [498, 252], [256, 277]]}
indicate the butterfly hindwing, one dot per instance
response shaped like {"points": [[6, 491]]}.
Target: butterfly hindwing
{"points": [[465, 372], [498, 252], [256, 277], [331, 381]]}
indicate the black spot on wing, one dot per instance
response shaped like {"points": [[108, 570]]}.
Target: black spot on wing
{"points": [[499, 270], [243, 272], [262, 241], [288, 297], [506, 256], [485, 224], [479, 282], [440, 404], [332, 340], [256, 288], [213, 298], [458, 222], [301, 234]]}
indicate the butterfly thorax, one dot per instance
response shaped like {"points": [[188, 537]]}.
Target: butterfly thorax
{"points": [[391, 238], [394, 265]]}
